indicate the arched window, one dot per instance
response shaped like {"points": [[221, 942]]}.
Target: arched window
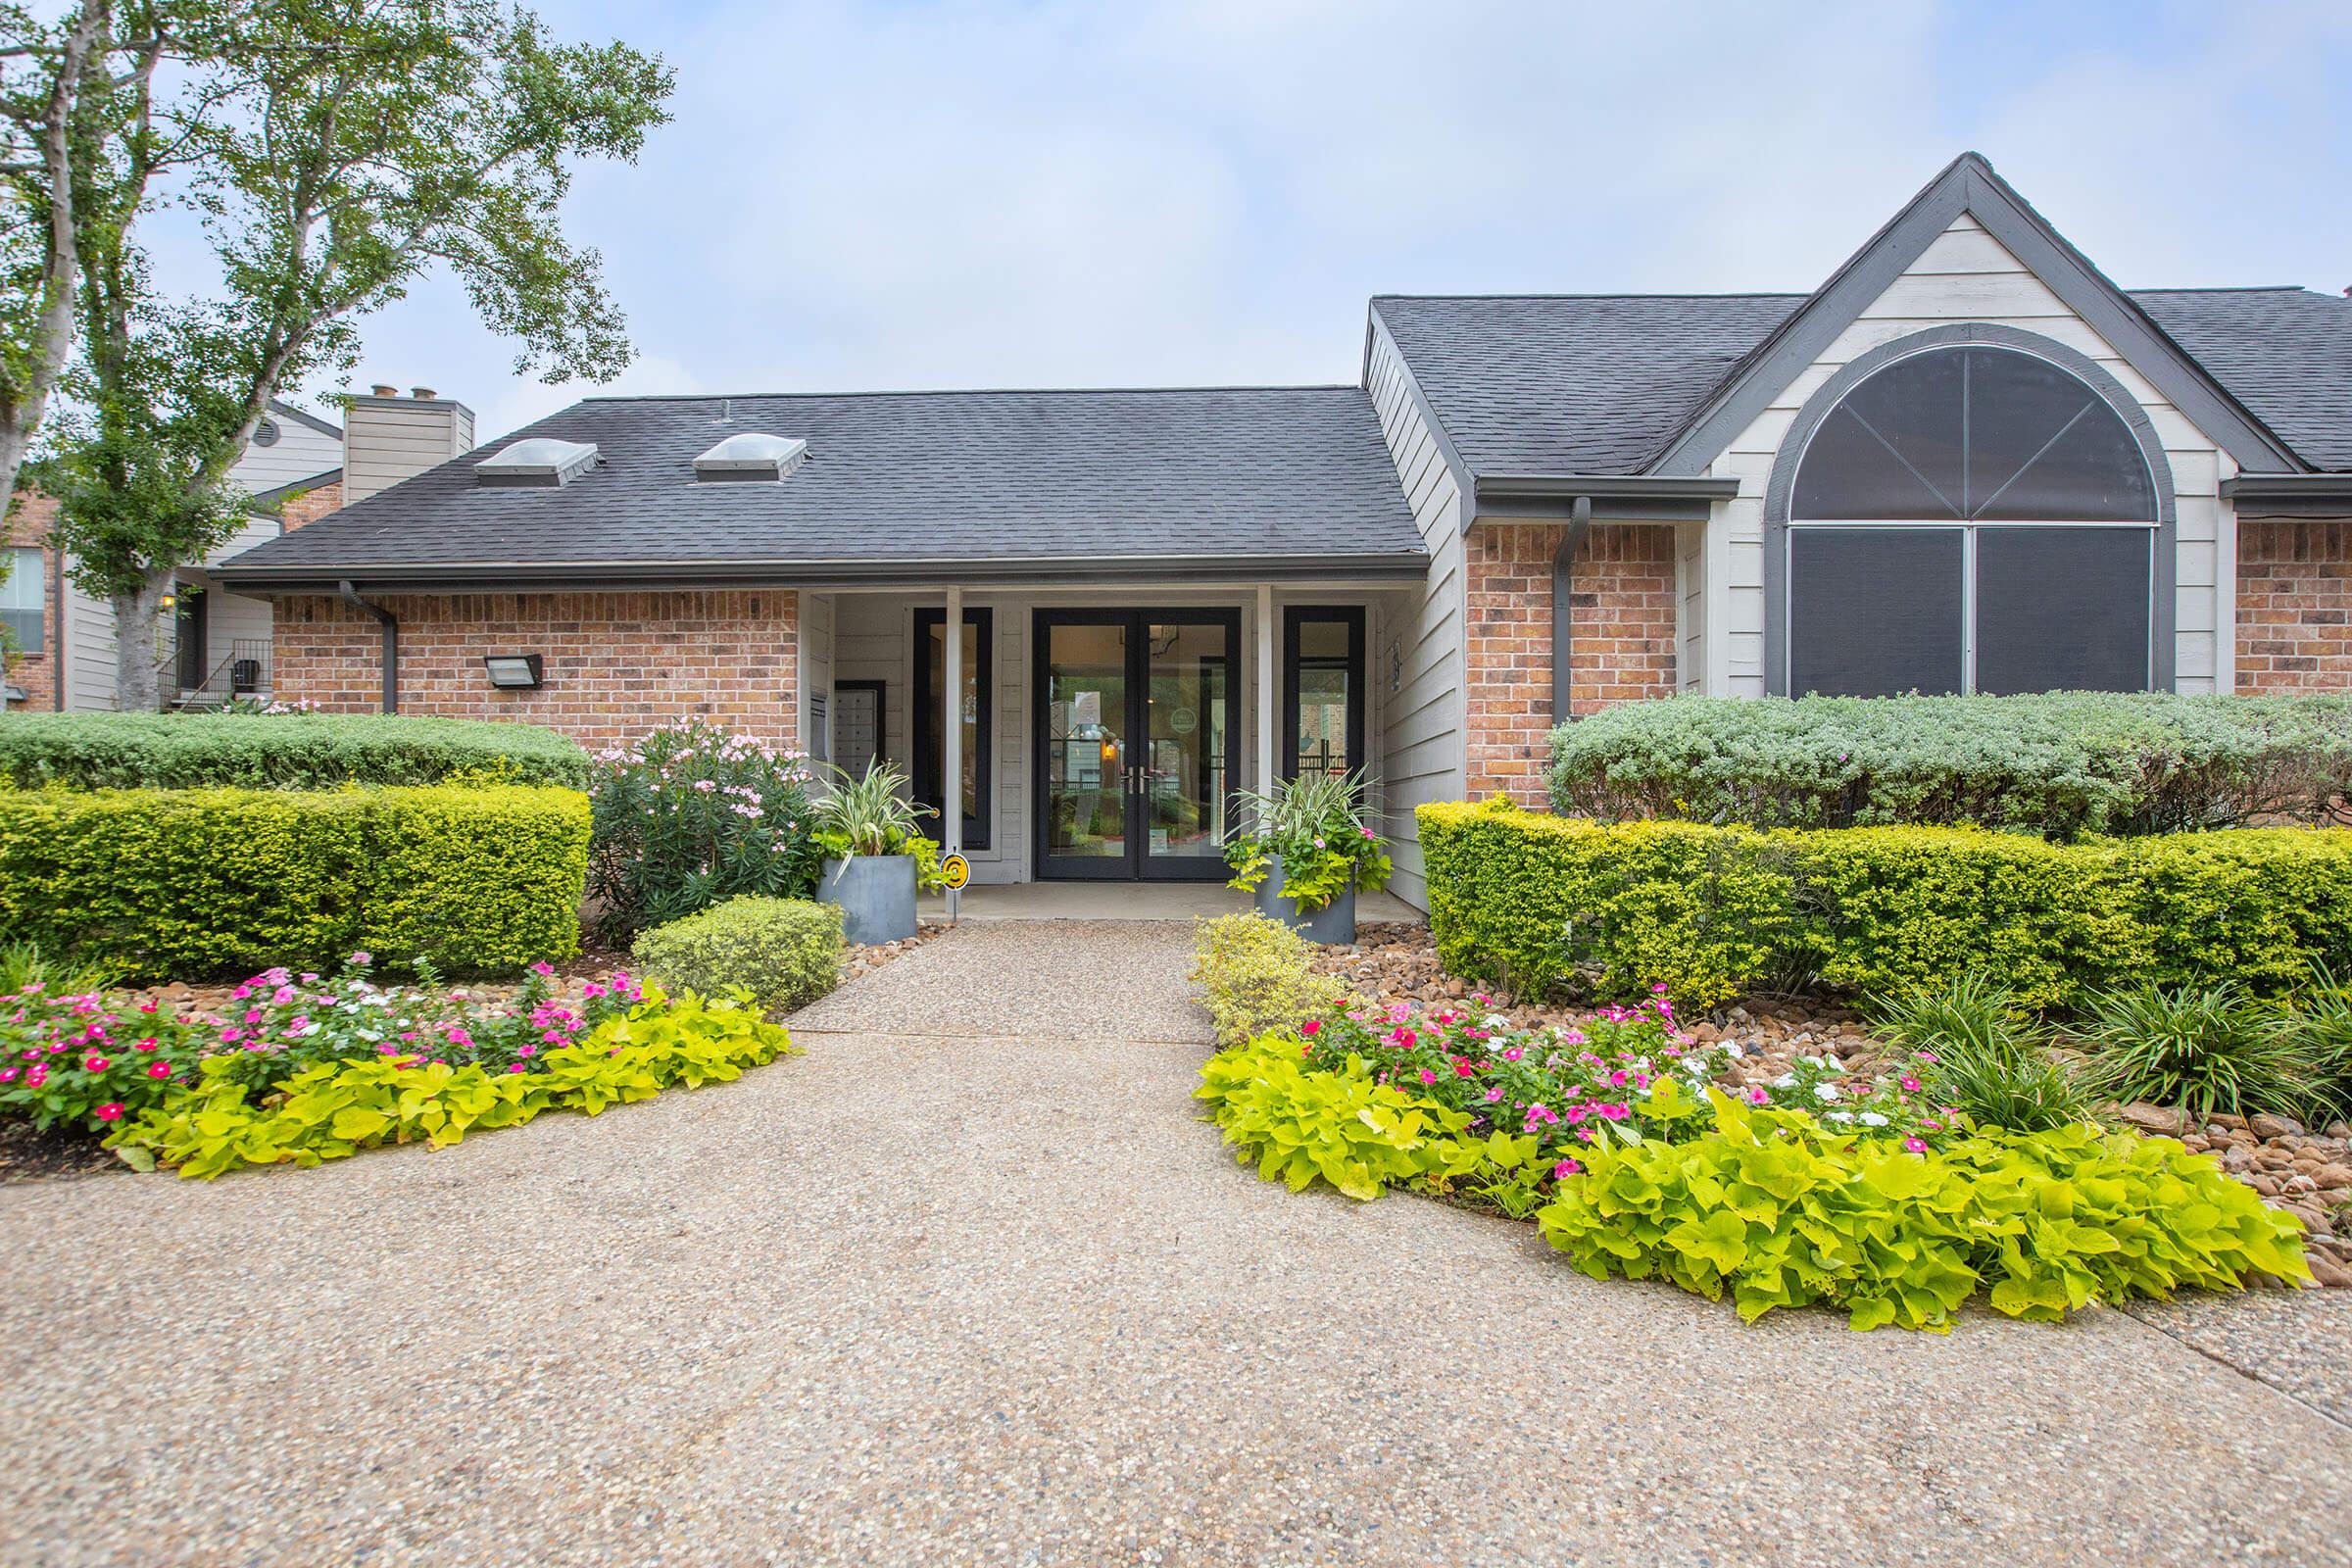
{"points": [[1971, 519]]}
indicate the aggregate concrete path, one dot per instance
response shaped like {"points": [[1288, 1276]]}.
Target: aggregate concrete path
{"points": [[943, 1292]]}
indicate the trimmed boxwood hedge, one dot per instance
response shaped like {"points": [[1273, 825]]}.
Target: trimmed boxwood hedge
{"points": [[1541, 901], [2058, 763], [301, 750], [184, 884]]}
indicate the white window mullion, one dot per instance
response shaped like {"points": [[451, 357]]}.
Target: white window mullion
{"points": [[1968, 610]]}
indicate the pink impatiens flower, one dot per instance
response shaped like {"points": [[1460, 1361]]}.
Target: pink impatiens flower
{"points": [[94, 1062], [1565, 1169], [1917, 1146], [111, 1111], [1312, 1026], [159, 1069]]}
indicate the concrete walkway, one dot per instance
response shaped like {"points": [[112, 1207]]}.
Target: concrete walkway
{"points": [[972, 1285]]}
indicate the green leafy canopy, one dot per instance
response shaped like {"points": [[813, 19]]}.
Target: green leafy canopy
{"points": [[334, 152]]}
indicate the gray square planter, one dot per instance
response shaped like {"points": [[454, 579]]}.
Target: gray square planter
{"points": [[876, 895], [1332, 924]]}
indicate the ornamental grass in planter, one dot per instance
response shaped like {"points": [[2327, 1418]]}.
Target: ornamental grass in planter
{"points": [[875, 856], [1309, 848]]}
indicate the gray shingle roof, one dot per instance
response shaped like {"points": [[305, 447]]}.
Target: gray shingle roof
{"points": [[2284, 353], [895, 478], [1572, 384], [1598, 383]]}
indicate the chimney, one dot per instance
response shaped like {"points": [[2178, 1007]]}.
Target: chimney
{"points": [[388, 438]]}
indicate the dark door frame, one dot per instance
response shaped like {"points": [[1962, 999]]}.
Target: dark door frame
{"points": [[1294, 617], [1138, 865], [979, 829]]}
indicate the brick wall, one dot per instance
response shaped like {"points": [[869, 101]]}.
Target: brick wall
{"points": [[28, 522], [1621, 597], [617, 663], [2294, 607], [312, 505]]}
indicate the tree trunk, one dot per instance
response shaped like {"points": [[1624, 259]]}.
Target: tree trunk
{"points": [[137, 689], [23, 405]]}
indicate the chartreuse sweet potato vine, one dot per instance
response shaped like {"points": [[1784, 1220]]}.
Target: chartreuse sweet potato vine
{"points": [[337, 1109], [1778, 1207]]}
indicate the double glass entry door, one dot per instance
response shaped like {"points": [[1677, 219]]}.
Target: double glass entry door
{"points": [[1135, 728]]}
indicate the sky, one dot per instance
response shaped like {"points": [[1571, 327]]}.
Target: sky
{"points": [[1135, 193]]}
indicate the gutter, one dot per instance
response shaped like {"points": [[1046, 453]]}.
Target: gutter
{"points": [[2289, 495], [1628, 497], [1572, 539], [384, 617], [471, 576]]}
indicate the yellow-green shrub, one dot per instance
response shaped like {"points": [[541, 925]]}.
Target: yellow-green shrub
{"points": [[335, 1109], [1256, 973], [1787, 1213], [182, 884], [1532, 901], [1525, 899], [784, 952]]}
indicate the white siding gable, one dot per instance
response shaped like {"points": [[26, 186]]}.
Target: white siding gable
{"points": [[1965, 275]]}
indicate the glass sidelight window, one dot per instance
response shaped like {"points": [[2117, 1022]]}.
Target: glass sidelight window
{"points": [[1971, 519], [974, 705], [1322, 690]]}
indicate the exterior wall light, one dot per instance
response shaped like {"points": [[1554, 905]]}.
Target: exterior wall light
{"points": [[513, 672]]}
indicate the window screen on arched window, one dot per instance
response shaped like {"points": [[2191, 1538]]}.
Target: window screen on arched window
{"points": [[1928, 545]]}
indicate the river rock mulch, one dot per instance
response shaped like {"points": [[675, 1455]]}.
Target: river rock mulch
{"points": [[2305, 1171]]}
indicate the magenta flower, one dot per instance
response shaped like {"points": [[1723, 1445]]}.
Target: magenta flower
{"points": [[1312, 1026], [1565, 1169], [1917, 1146], [159, 1069], [111, 1111], [94, 1062]]}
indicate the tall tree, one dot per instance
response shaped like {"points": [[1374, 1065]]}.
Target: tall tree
{"points": [[336, 150], [52, 70]]}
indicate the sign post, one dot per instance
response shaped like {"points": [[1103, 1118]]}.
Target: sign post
{"points": [[953, 872]]}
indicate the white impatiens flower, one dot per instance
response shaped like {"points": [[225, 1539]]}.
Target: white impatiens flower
{"points": [[1837, 1115], [1825, 1091], [1736, 1051], [1871, 1118], [1495, 1020], [1786, 1080]]}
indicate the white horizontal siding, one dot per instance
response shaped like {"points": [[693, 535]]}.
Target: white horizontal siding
{"points": [[1417, 663]]}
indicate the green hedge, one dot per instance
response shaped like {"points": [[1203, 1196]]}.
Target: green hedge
{"points": [[304, 751], [2060, 764], [184, 884], [1537, 901], [785, 951]]}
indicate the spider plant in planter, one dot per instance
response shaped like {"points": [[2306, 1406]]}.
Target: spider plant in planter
{"points": [[1308, 848], [875, 856]]}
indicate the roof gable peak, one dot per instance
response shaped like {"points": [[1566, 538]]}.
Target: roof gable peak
{"points": [[1967, 186]]}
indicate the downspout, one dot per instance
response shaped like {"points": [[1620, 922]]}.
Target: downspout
{"points": [[57, 628], [1572, 539], [385, 618]]}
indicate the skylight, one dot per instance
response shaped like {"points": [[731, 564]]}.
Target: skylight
{"points": [[542, 461], [751, 456]]}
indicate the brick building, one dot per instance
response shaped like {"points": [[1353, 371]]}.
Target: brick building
{"points": [[1967, 461]]}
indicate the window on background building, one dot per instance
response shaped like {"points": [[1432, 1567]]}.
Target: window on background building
{"points": [[22, 598], [1971, 519], [1323, 690], [974, 705]]}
